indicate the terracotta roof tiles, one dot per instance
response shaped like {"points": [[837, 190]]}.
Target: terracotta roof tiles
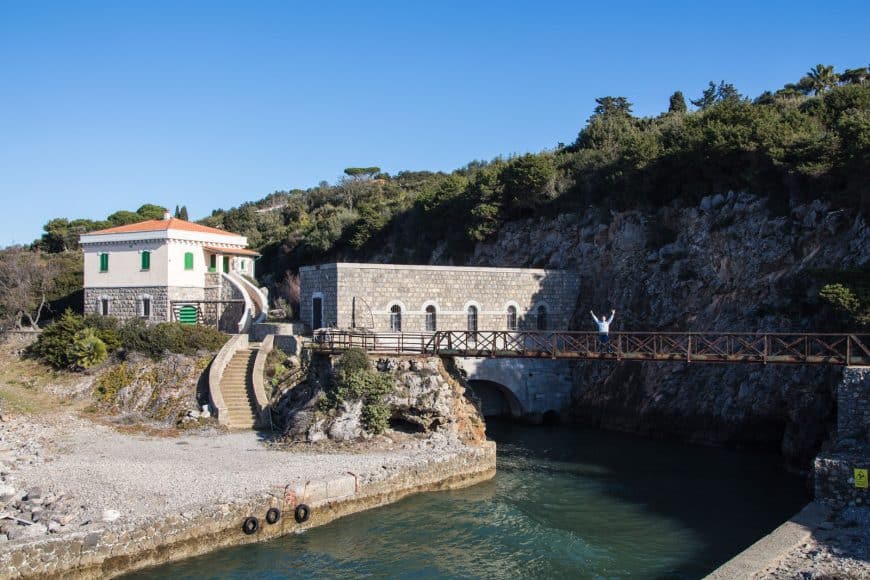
{"points": [[161, 225]]}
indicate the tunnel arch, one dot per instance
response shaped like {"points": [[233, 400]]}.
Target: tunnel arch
{"points": [[496, 400]]}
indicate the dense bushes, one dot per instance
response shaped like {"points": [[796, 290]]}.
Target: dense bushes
{"points": [[355, 380], [74, 342]]}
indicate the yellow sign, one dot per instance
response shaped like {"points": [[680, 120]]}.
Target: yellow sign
{"points": [[861, 478]]}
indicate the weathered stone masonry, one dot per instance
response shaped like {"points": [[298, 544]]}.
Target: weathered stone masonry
{"points": [[362, 295]]}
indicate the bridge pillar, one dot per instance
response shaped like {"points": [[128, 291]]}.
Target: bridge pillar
{"points": [[539, 385]]}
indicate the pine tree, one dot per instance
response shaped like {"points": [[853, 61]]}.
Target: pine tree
{"points": [[677, 103], [183, 213]]}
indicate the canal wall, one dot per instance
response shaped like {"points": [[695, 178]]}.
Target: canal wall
{"points": [[123, 548], [835, 468]]}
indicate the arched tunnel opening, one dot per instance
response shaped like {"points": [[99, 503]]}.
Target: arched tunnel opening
{"points": [[496, 400]]}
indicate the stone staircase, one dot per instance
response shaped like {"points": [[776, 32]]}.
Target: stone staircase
{"points": [[237, 388]]}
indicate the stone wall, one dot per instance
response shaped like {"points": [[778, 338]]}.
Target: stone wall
{"points": [[125, 302], [362, 295], [121, 548], [834, 469], [538, 385]]}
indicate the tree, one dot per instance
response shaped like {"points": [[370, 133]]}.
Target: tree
{"points": [[123, 217], [362, 172], [708, 97], [726, 92], [527, 182], [612, 106], [182, 214], [677, 103], [25, 282], [821, 78], [149, 211], [855, 76]]}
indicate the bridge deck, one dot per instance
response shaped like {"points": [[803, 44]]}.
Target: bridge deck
{"points": [[707, 347]]}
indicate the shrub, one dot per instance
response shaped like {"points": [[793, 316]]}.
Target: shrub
{"points": [[87, 349], [173, 337], [113, 380], [107, 329], [54, 344], [354, 359]]}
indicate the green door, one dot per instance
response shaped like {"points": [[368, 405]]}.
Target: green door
{"points": [[187, 315], [226, 264]]}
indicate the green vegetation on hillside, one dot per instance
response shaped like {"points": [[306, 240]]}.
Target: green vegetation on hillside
{"points": [[809, 139]]}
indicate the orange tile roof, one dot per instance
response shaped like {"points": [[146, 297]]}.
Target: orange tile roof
{"points": [[233, 251], [160, 225]]}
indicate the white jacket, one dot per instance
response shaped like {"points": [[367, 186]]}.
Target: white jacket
{"points": [[603, 323]]}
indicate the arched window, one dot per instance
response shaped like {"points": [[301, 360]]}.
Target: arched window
{"points": [[511, 317], [396, 318], [431, 320], [542, 317], [472, 319]]}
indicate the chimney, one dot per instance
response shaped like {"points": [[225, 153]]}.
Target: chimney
{"points": [[166, 214]]}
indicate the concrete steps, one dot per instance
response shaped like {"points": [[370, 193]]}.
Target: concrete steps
{"points": [[237, 389]]}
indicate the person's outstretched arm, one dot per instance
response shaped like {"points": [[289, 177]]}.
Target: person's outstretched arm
{"points": [[612, 315], [595, 318]]}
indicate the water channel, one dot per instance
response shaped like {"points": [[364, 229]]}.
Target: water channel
{"points": [[566, 502]]}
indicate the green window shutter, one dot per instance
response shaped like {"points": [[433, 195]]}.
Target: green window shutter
{"points": [[188, 260], [146, 260], [187, 315], [104, 262], [213, 266]]}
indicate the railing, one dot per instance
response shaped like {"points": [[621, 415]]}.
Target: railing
{"points": [[709, 347]]}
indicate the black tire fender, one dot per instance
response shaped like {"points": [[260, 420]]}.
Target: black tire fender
{"points": [[273, 514], [250, 525], [301, 513]]}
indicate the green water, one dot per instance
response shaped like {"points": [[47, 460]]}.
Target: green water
{"points": [[566, 503]]}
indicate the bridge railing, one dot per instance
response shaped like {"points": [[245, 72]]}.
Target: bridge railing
{"points": [[723, 347]]}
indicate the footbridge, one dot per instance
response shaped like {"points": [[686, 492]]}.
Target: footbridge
{"points": [[529, 374], [688, 347]]}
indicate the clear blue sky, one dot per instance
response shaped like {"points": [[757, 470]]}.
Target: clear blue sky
{"points": [[108, 105]]}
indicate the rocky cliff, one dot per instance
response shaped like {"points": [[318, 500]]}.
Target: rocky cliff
{"points": [[425, 397], [730, 263]]}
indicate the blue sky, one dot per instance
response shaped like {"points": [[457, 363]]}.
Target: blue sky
{"points": [[109, 105]]}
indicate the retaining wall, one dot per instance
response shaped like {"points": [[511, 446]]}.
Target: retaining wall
{"points": [[119, 549]]}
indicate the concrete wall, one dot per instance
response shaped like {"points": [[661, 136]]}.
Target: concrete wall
{"points": [[124, 547], [451, 290], [125, 264], [538, 385]]}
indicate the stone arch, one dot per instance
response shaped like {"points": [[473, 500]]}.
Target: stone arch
{"points": [[496, 400]]}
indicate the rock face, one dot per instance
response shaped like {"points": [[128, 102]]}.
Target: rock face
{"points": [[730, 264], [427, 398], [167, 392]]}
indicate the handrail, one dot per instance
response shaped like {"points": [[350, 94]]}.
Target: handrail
{"points": [[258, 380], [216, 373], [256, 296], [245, 320], [715, 346]]}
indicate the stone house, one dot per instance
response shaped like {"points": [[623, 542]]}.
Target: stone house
{"points": [[170, 269], [388, 297]]}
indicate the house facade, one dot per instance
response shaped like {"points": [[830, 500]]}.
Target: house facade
{"points": [[169, 269], [399, 298]]}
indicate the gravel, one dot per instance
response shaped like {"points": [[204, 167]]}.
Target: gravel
{"points": [[97, 470]]}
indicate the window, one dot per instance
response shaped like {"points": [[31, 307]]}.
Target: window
{"points": [[188, 260], [396, 318], [242, 265], [226, 264], [542, 317], [511, 317], [212, 263], [472, 318], [104, 306], [104, 262], [146, 308], [146, 260], [431, 318]]}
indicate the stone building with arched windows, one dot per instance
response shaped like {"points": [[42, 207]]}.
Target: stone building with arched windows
{"points": [[400, 298]]}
